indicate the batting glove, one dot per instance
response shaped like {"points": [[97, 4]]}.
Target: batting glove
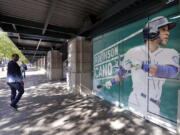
{"points": [[145, 67], [108, 84]]}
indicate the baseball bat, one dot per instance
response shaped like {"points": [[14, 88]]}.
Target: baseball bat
{"points": [[131, 66], [118, 42], [100, 86]]}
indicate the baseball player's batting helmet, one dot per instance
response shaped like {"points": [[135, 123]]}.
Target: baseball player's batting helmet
{"points": [[151, 29]]}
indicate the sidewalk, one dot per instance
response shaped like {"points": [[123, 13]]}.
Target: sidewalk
{"points": [[47, 108]]}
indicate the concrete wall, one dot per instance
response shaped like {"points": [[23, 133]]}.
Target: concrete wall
{"points": [[54, 65], [80, 66]]}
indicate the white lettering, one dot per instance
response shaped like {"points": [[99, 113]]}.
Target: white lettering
{"points": [[104, 70], [110, 69], [106, 55]]}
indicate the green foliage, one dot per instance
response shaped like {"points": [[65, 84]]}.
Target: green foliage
{"points": [[7, 48]]}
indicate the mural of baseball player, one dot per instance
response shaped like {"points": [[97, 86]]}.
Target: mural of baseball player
{"points": [[150, 66]]}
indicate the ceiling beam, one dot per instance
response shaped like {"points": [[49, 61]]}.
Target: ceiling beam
{"points": [[33, 51], [38, 55], [14, 26], [126, 16], [36, 25], [36, 37], [117, 7], [48, 18], [22, 47], [34, 43], [31, 31], [30, 56]]}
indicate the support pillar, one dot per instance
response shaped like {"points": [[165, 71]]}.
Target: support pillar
{"points": [[45, 60], [43, 66], [54, 65], [36, 65], [80, 66]]}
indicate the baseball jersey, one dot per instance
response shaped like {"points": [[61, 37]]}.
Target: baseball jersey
{"points": [[142, 81]]}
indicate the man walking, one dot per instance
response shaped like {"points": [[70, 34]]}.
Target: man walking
{"points": [[15, 81], [23, 69]]}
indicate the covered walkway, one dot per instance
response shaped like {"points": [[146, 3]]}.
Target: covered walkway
{"points": [[47, 108]]}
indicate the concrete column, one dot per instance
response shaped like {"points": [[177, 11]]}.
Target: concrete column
{"points": [[178, 114], [36, 65], [39, 64], [42, 63], [80, 66], [45, 60], [54, 65]]}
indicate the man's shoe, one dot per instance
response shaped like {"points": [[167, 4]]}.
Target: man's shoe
{"points": [[15, 107]]}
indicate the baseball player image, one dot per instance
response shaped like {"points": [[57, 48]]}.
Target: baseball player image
{"points": [[150, 65]]}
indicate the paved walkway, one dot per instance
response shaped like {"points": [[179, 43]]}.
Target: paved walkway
{"points": [[47, 108]]}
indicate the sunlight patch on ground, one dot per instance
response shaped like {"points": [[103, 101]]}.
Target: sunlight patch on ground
{"points": [[41, 109], [38, 72], [28, 73], [117, 109], [40, 122], [60, 122], [28, 130], [10, 128], [117, 125], [5, 121], [68, 126], [3, 74], [156, 131], [2, 92], [42, 112], [138, 121], [95, 114]]}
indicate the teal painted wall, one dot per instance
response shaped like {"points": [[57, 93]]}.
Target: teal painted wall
{"points": [[107, 55]]}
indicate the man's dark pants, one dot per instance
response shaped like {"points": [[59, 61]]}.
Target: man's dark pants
{"points": [[14, 96]]}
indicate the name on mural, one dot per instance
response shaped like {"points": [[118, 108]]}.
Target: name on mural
{"points": [[104, 61]]}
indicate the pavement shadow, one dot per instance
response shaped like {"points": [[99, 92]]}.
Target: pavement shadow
{"points": [[74, 115], [48, 108]]}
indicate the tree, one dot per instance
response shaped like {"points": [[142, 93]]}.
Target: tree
{"points": [[7, 48]]}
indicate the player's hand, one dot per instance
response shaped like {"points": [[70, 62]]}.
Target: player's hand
{"points": [[153, 69], [108, 84], [145, 67]]}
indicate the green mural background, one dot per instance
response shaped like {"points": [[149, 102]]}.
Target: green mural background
{"points": [[118, 94]]}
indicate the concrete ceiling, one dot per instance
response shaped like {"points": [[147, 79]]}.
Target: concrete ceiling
{"points": [[48, 24]]}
